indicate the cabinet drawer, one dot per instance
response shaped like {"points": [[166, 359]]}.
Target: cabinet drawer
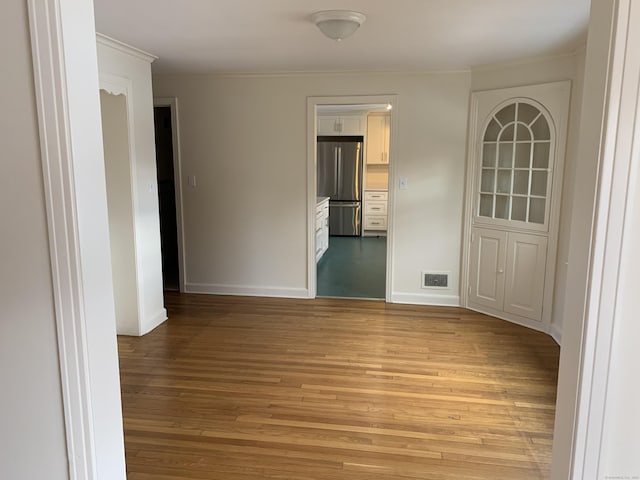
{"points": [[375, 222], [376, 196], [375, 208]]}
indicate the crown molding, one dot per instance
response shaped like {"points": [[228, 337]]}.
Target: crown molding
{"points": [[124, 48]]}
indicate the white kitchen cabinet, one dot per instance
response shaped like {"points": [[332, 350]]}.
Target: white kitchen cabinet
{"points": [[378, 138], [375, 212], [322, 227], [341, 125], [507, 272]]}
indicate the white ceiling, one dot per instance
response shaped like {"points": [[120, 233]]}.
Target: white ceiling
{"points": [[202, 36]]}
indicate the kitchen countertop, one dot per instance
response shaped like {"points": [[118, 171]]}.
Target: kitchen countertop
{"points": [[319, 200]]}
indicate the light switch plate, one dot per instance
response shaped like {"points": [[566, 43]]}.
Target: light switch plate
{"points": [[404, 183]]}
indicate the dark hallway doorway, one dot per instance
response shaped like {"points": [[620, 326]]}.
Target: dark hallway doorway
{"points": [[167, 198]]}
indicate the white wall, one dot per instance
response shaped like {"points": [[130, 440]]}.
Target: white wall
{"points": [[31, 400], [134, 68], [598, 388], [244, 140], [115, 134], [570, 67]]}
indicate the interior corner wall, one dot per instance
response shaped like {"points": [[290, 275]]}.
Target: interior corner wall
{"points": [[115, 135], [31, 400], [552, 69], [243, 141], [137, 71]]}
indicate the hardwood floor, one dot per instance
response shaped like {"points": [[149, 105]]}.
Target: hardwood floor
{"points": [[253, 388]]}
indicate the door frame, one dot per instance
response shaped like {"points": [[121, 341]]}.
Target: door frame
{"points": [[312, 116], [559, 115], [172, 103]]}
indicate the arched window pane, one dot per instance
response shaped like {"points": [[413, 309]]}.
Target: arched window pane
{"points": [[527, 113], [521, 182], [489, 155], [502, 207], [504, 181], [541, 155], [540, 129], [519, 209], [486, 206], [523, 155], [523, 133], [539, 184], [505, 155], [507, 134], [514, 174], [488, 178], [507, 114], [492, 131], [536, 210]]}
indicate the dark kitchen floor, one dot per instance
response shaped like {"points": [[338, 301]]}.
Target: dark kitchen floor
{"points": [[353, 267]]}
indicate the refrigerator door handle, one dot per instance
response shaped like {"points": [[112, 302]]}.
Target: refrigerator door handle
{"points": [[335, 167], [339, 175]]}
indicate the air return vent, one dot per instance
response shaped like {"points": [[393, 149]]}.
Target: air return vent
{"points": [[435, 279]]}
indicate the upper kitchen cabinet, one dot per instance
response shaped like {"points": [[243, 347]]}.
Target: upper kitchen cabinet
{"points": [[378, 138], [341, 125]]}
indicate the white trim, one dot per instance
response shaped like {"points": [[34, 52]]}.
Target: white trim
{"points": [[426, 299], [124, 48], [509, 317], [158, 318], [619, 155], [529, 60], [57, 169], [312, 104], [556, 333], [172, 102], [116, 85], [246, 291]]}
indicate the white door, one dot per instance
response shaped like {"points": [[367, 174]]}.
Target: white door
{"points": [[488, 257], [525, 269]]}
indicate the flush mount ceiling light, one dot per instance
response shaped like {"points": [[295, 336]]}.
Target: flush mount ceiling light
{"points": [[338, 24]]}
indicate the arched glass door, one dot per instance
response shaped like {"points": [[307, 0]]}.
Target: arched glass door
{"points": [[515, 173]]}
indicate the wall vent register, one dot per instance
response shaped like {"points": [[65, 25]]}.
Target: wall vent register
{"points": [[435, 280]]}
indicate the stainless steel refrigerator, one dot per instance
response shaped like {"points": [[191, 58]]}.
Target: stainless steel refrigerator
{"points": [[340, 179]]}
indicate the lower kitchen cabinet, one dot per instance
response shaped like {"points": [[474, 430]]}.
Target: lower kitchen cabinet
{"points": [[375, 212], [507, 272], [322, 227]]}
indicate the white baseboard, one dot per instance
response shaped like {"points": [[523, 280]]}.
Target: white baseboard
{"points": [[507, 317], [426, 299], [157, 319], [556, 333], [246, 291]]}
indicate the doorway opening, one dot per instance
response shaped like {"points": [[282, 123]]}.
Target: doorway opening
{"points": [[169, 192], [166, 198], [350, 151]]}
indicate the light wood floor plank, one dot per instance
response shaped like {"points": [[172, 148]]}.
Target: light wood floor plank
{"points": [[252, 388]]}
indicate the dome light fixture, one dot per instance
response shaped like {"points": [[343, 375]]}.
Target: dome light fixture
{"points": [[338, 24]]}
